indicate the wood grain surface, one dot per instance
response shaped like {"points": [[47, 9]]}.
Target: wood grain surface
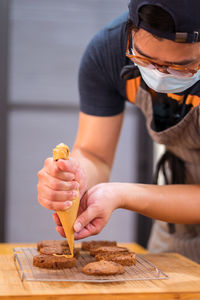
{"points": [[183, 283]]}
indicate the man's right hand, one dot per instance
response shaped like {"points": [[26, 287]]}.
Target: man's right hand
{"points": [[58, 182]]}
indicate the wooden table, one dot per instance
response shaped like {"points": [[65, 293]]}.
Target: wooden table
{"points": [[183, 282]]}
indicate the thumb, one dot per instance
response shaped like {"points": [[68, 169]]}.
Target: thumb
{"points": [[65, 165], [85, 218]]}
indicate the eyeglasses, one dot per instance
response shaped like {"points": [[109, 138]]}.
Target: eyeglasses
{"points": [[170, 69]]}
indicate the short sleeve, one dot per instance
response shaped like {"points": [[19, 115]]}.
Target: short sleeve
{"points": [[100, 86]]}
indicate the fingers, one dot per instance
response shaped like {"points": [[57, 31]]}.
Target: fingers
{"points": [[92, 228], [60, 231], [82, 234], [56, 219], [90, 220], [59, 227], [56, 184], [84, 219], [67, 165], [51, 167], [56, 192], [74, 167], [56, 196], [54, 205]]}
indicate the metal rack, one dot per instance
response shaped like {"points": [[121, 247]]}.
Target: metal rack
{"points": [[142, 270]]}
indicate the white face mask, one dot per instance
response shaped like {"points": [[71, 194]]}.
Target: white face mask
{"points": [[167, 83]]}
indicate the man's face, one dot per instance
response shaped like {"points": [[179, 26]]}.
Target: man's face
{"points": [[164, 52]]}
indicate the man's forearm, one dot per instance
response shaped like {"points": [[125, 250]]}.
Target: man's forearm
{"points": [[97, 170], [170, 203]]}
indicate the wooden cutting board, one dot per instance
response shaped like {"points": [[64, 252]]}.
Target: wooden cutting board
{"points": [[183, 283]]}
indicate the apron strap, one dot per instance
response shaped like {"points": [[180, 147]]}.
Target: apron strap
{"points": [[170, 162]]}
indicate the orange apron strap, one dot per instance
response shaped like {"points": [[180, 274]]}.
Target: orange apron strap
{"points": [[132, 86], [194, 100], [178, 98]]}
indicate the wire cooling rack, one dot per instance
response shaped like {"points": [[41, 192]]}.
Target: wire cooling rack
{"points": [[142, 270]]}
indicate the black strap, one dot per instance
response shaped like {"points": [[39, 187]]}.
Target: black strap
{"points": [[176, 167], [129, 72], [177, 173]]}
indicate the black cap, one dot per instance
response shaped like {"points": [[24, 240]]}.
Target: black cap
{"points": [[185, 13]]}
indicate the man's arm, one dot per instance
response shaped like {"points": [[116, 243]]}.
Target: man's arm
{"points": [[171, 203], [95, 145]]}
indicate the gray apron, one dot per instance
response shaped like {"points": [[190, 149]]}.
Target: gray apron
{"points": [[183, 140]]}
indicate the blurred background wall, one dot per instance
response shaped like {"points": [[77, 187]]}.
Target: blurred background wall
{"points": [[46, 39]]}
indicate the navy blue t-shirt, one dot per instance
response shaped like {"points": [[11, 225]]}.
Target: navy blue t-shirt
{"points": [[102, 91]]}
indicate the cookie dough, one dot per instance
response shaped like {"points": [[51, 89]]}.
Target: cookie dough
{"points": [[61, 152]]}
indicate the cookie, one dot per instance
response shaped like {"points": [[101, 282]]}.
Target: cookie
{"points": [[95, 244], [108, 249], [51, 243], [59, 250], [53, 262], [103, 267], [124, 259]]}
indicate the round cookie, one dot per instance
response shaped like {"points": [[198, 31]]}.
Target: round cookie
{"points": [[53, 262], [103, 267]]}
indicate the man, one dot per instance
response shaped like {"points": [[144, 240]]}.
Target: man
{"points": [[150, 56]]}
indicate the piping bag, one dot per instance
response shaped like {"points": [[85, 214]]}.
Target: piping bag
{"points": [[67, 217]]}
